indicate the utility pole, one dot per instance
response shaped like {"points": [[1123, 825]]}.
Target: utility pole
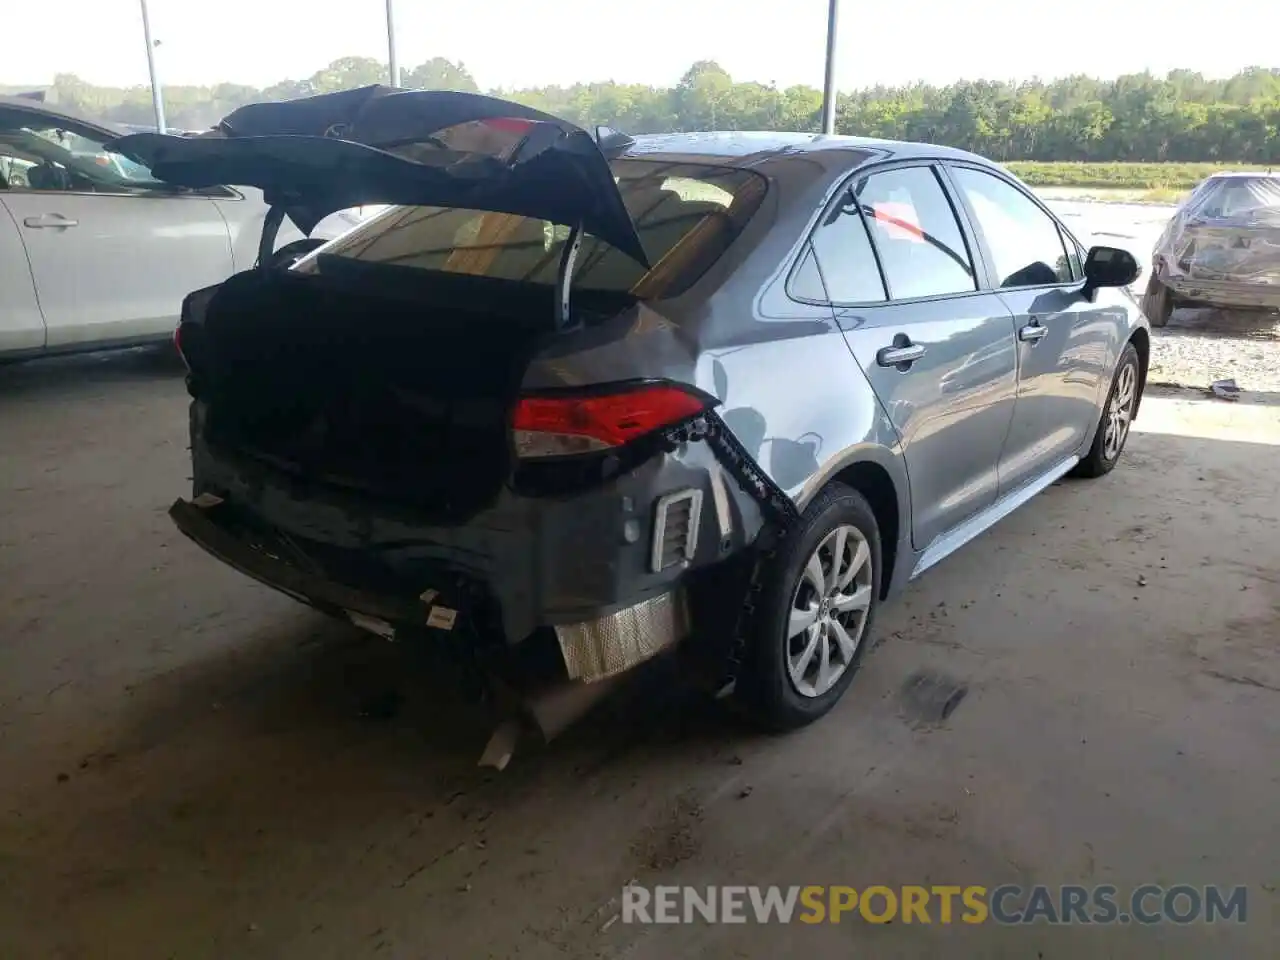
{"points": [[391, 44], [157, 97], [829, 84]]}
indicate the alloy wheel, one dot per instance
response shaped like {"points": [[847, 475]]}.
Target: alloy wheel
{"points": [[828, 613], [1120, 412]]}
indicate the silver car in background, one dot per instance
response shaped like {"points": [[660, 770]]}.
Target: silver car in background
{"points": [[1221, 248], [94, 252]]}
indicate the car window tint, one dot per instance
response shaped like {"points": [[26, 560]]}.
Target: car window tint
{"points": [[845, 257], [45, 153], [1026, 246], [921, 247], [806, 282]]}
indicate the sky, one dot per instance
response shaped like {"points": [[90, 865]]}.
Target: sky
{"points": [[511, 43]]}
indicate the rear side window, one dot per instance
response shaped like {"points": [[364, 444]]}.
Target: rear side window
{"points": [[687, 215], [845, 257], [1025, 243], [806, 282], [915, 232]]}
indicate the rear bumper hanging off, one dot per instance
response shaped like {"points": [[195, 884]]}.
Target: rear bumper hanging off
{"points": [[593, 650]]}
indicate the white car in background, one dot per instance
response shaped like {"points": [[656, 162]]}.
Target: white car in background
{"points": [[94, 253]]}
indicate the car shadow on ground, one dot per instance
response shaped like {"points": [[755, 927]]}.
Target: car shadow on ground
{"points": [[1217, 322], [87, 372], [301, 774], [1176, 391]]}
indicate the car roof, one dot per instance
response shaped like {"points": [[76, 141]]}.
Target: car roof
{"points": [[756, 148], [49, 110]]}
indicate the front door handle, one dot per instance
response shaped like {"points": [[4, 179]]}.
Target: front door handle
{"points": [[50, 220], [1032, 332], [902, 354]]}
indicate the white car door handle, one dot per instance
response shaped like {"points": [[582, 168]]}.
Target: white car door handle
{"points": [[50, 220]]}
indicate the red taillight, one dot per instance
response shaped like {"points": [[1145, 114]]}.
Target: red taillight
{"points": [[557, 426]]}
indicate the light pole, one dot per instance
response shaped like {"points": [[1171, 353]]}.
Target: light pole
{"points": [[157, 97], [391, 44], [829, 83]]}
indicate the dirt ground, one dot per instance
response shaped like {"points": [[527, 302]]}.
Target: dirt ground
{"points": [[192, 766]]}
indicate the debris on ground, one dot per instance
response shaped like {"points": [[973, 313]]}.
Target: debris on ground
{"points": [[1225, 389], [502, 744]]}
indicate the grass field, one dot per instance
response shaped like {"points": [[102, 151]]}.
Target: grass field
{"points": [[1174, 178]]}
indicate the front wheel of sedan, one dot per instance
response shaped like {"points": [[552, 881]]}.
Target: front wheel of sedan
{"points": [[1117, 417], [817, 596]]}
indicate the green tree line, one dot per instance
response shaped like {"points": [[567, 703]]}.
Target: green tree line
{"points": [[1181, 117]]}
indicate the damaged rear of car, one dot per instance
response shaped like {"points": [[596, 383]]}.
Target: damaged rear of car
{"points": [[474, 415], [1221, 248]]}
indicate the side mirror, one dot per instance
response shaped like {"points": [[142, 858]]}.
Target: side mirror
{"points": [[1109, 267]]}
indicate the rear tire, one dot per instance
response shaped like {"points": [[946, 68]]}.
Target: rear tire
{"points": [[813, 613], [1157, 302], [1117, 417]]}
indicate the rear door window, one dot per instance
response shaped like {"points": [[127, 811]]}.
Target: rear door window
{"points": [[806, 282], [916, 234], [844, 254], [1025, 243]]}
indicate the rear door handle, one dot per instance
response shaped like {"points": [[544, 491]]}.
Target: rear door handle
{"points": [[50, 220], [1032, 332], [900, 354]]}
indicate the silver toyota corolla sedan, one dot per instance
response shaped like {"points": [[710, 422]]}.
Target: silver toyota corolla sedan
{"points": [[94, 251], [605, 394]]}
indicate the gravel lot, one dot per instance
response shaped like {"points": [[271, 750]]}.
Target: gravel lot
{"points": [[193, 766]]}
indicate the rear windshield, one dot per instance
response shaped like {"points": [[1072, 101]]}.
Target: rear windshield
{"points": [[686, 215], [1242, 198]]}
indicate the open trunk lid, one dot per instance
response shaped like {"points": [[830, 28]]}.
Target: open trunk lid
{"points": [[315, 156]]}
